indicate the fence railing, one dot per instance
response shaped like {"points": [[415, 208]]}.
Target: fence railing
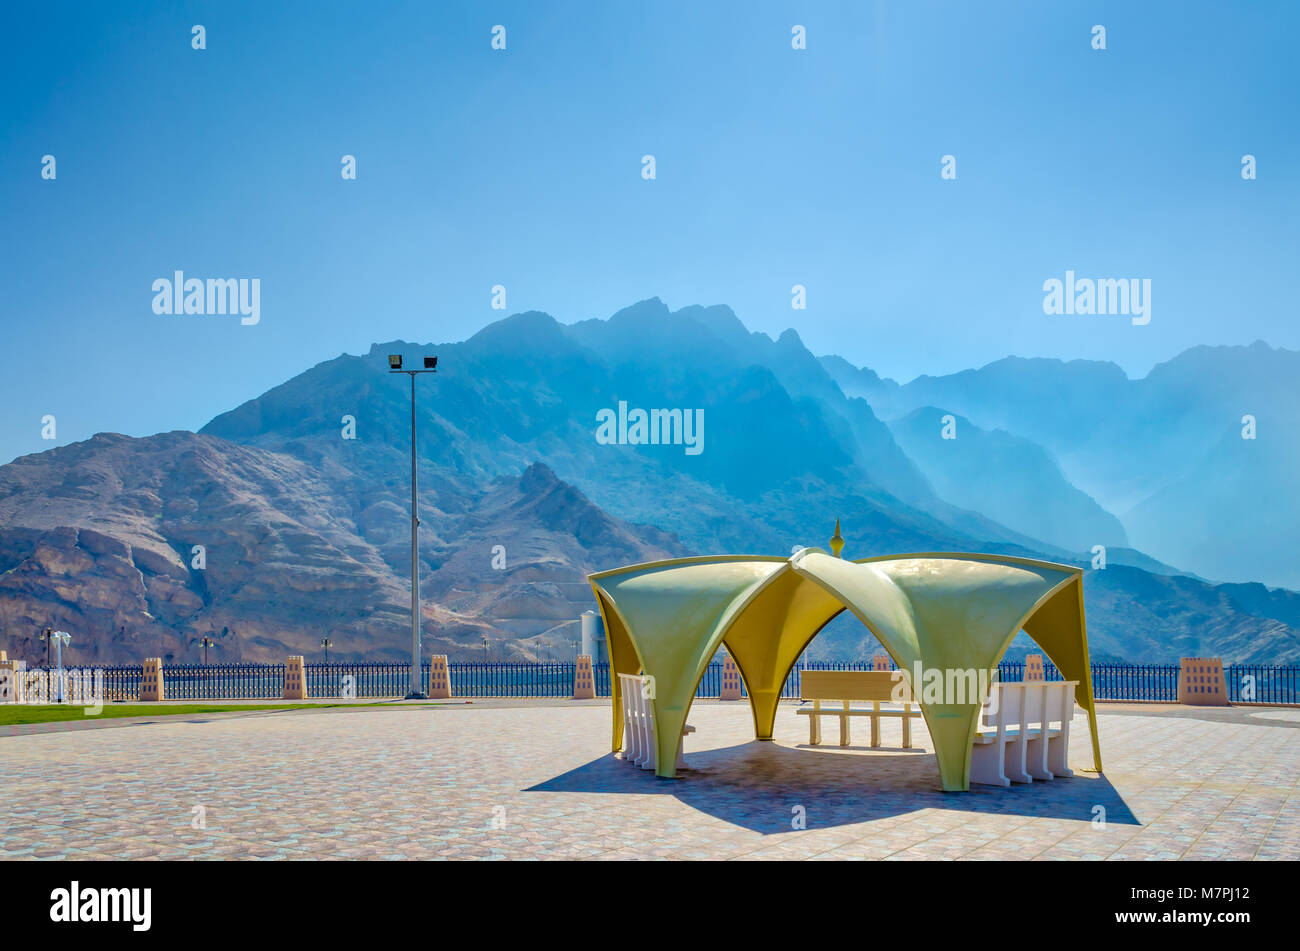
{"points": [[223, 681], [1113, 681], [378, 680], [1267, 684], [486, 679], [1246, 683]]}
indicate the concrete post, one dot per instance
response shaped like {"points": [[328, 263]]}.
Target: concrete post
{"points": [[1201, 683], [151, 683], [730, 679], [1034, 667], [584, 679], [11, 680], [295, 678], [439, 678]]}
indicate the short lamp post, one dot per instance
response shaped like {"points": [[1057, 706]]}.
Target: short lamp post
{"points": [[430, 366], [206, 643], [325, 643], [45, 636]]}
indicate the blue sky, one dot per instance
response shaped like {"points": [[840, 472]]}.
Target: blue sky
{"points": [[775, 167]]}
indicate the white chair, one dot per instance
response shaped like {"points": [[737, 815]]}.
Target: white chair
{"points": [[1060, 706], [1036, 727], [998, 757], [1021, 744], [640, 733], [649, 739], [626, 687], [1048, 747], [638, 722]]}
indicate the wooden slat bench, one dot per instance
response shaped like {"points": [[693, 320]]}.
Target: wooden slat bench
{"points": [[846, 687]]}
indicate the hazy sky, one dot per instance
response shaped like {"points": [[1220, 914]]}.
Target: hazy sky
{"points": [[522, 168]]}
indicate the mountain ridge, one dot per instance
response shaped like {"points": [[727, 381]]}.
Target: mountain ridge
{"points": [[508, 460]]}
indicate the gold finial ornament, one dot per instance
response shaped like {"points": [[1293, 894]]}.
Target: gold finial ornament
{"points": [[837, 542]]}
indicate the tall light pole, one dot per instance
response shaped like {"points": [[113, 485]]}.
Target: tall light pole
{"points": [[415, 693], [60, 638]]}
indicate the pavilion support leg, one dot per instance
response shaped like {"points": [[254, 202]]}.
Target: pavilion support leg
{"points": [[844, 726], [764, 703], [907, 726], [875, 724], [669, 722], [1096, 743], [951, 728], [617, 703]]}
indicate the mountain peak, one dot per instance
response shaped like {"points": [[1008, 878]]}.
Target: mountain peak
{"points": [[719, 319], [652, 308], [526, 328], [537, 479], [790, 339]]}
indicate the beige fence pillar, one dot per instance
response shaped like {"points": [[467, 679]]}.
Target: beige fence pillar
{"points": [[12, 675], [584, 679], [880, 662], [295, 678], [1201, 683], [730, 679], [439, 678], [1034, 667], [151, 681]]}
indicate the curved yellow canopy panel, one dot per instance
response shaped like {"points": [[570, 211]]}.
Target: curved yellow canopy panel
{"points": [[938, 615]]}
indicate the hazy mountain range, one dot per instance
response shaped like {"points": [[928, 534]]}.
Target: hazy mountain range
{"points": [[305, 532]]}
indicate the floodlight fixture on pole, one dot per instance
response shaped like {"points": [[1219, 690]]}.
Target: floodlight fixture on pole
{"points": [[416, 691]]}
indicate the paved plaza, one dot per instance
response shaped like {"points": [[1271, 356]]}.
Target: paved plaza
{"points": [[534, 779]]}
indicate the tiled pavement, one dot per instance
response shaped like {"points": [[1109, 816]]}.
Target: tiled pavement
{"points": [[536, 781]]}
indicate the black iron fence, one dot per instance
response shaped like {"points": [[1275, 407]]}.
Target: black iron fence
{"points": [[375, 681], [223, 681], [1115, 681], [486, 679], [1246, 683]]}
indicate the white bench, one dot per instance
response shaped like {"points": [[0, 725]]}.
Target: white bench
{"points": [[1019, 743], [640, 735], [844, 687]]}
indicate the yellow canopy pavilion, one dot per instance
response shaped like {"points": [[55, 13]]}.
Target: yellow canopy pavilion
{"points": [[943, 611]]}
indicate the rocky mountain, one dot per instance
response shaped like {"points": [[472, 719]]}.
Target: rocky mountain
{"points": [[1198, 458], [545, 452], [1010, 479], [100, 539]]}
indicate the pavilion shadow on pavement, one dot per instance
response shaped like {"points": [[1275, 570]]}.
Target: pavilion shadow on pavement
{"points": [[755, 785]]}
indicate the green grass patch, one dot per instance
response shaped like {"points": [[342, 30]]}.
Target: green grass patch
{"points": [[13, 714]]}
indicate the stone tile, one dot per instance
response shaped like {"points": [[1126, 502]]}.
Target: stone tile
{"points": [[536, 781]]}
